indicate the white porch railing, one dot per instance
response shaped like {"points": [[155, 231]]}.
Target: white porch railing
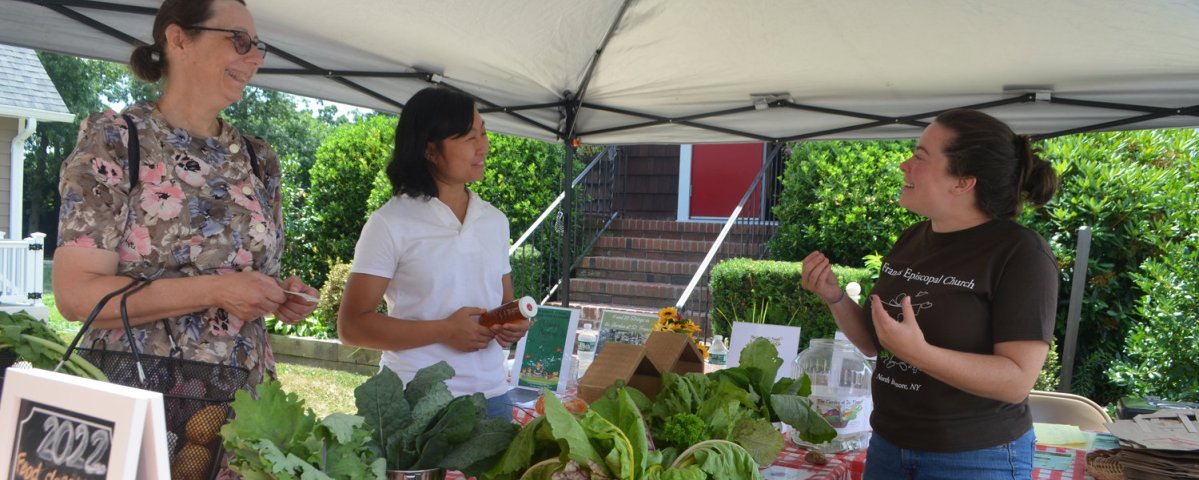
{"points": [[21, 264]]}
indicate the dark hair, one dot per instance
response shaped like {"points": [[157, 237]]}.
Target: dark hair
{"points": [[431, 115], [1007, 171], [149, 62]]}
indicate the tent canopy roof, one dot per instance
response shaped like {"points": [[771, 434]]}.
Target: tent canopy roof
{"points": [[699, 71]]}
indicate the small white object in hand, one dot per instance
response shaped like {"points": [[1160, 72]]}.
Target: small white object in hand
{"points": [[303, 295]]}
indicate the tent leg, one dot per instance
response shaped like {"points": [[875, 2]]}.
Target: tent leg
{"points": [[1077, 285], [567, 203]]}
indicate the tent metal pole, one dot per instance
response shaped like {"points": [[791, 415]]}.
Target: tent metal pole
{"points": [[567, 202], [1077, 285]]}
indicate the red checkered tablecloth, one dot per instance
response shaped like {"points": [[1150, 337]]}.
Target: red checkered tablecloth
{"points": [[1077, 470]]}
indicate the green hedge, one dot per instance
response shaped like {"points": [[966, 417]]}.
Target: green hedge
{"points": [[522, 177], [769, 291], [335, 207], [528, 270], [1162, 351], [841, 198], [1135, 191]]}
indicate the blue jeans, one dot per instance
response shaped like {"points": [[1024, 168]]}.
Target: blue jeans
{"points": [[500, 406], [1007, 461]]}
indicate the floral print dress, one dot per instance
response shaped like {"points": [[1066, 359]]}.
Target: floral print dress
{"points": [[197, 209]]}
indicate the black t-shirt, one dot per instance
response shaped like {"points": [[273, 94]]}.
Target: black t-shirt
{"points": [[970, 289]]}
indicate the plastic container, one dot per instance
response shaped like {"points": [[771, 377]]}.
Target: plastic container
{"points": [[718, 353], [585, 347], [522, 308], [840, 392]]}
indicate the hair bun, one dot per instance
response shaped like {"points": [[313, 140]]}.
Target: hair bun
{"points": [[147, 62]]}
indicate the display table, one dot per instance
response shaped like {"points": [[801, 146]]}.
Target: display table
{"points": [[1052, 463], [851, 465]]}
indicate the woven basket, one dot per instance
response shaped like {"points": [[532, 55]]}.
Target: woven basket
{"points": [[1103, 465]]}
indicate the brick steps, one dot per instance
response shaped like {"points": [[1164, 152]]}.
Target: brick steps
{"points": [[637, 270], [705, 231], [670, 249], [643, 265]]}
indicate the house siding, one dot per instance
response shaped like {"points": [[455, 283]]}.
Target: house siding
{"points": [[648, 182], [8, 130]]}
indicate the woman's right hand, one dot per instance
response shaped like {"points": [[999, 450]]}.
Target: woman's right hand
{"points": [[464, 333], [248, 295], [818, 277]]}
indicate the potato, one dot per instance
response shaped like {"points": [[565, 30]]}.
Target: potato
{"points": [[192, 463], [203, 427]]}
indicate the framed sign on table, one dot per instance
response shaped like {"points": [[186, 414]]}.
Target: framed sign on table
{"points": [[54, 425], [624, 327], [784, 338], [544, 355]]}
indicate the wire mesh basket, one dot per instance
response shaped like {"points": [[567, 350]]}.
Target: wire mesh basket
{"points": [[7, 358], [196, 397]]}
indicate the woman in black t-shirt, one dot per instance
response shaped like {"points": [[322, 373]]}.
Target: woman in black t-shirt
{"points": [[951, 387]]}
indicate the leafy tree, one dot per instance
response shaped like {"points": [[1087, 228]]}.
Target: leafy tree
{"points": [[523, 176], [290, 130], [1133, 190], [335, 207]]}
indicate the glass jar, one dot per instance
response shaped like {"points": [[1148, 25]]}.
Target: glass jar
{"points": [[840, 377]]}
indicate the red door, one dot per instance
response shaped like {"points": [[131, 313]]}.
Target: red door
{"points": [[720, 173]]}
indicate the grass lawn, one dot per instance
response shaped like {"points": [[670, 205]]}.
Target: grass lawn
{"points": [[324, 391]]}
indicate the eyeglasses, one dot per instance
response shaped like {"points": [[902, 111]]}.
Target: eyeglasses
{"points": [[241, 40]]}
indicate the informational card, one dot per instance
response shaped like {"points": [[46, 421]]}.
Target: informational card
{"points": [[784, 338], [59, 426], [544, 354], [624, 327]]}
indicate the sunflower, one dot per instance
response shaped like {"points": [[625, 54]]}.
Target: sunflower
{"points": [[670, 321]]}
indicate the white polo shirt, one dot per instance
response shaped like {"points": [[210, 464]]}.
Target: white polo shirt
{"points": [[436, 266]]}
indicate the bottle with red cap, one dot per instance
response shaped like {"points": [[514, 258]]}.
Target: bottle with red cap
{"points": [[523, 308]]}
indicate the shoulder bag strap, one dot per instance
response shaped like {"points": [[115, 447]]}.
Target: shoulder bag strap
{"points": [[133, 151]]}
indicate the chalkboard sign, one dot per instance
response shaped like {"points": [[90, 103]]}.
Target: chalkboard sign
{"points": [[63, 427], [55, 443]]}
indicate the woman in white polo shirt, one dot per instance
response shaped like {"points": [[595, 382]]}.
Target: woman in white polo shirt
{"points": [[437, 253]]}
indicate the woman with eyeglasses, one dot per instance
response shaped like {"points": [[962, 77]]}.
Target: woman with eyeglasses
{"points": [[169, 192]]}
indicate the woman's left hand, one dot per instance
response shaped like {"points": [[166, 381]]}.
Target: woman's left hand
{"points": [[295, 308], [903, 338], [509, 333]]}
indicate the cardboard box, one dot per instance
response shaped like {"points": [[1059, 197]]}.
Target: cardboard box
{"points": [[674, 353], [620, 361], [640, 367]]}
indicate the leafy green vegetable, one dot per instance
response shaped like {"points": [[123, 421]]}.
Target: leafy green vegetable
{"points": [[33, 341], [740, 403], [682, 430], [799, 413], [721, 460], [424, 426], [384, 412], [759, 438], [277, 437], [569, 433]]}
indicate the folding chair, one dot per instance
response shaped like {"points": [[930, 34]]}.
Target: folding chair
{"points": [[1068, 409]]}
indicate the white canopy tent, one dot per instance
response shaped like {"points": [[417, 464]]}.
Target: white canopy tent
{"points": [[705, 71], [697, 71]]}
